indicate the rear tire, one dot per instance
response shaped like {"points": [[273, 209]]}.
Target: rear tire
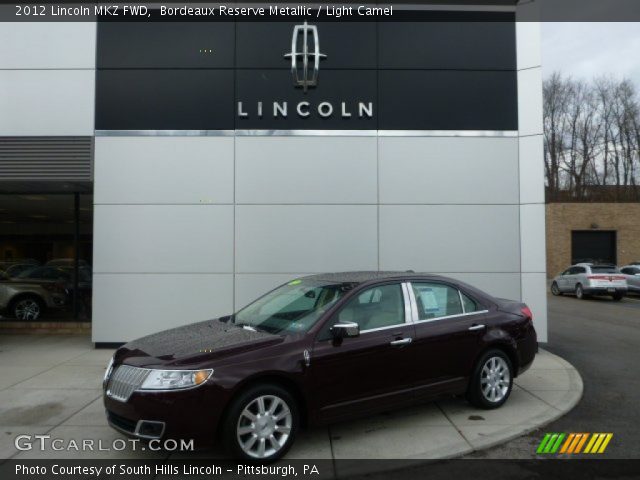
{"points": [[492, 380], [555, 290], [617, 296], [580, 292], [261, 424]]}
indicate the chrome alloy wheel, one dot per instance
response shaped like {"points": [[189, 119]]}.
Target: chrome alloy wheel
{"points": [[264, 426], [27, 309], [495, 379]]}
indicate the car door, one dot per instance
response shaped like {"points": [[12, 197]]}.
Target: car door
{"points": [[450, 325], [370, 371], [563, 280], [572, 279]]}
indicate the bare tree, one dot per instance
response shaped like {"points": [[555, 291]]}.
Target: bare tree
{"points": [[591, 139]]}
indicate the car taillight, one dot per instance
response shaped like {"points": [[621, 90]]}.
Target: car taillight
{"points": [[526, 311], [606, 277]]}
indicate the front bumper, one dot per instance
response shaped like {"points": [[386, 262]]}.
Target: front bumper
{"points": [[182, 414]]}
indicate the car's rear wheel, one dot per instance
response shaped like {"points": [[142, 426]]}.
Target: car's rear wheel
{"points": [[580, 292], [617, 296], [492, 380], [555, 290], [27, 308], [261, 424]]}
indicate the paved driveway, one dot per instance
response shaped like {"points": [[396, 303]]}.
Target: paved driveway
{"points": [[601, 338]]}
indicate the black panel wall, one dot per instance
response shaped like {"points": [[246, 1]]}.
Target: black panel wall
{"points": [[446, 75]]}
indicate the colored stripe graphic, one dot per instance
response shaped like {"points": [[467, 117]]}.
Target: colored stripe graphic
{"points": [[598, 443], [567, 443], [543, 443], [573, 443]]}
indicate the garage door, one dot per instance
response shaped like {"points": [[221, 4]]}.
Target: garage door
{"points": [[589, 246]]}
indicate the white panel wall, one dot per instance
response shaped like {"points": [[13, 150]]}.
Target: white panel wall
{"points": [[51, 45], [163, 233], [163, 239], [128, 306], [312, 238], [47, 78], [46, 102], [435, 170], [306, 170], [160, 170], [532, 213], [449, 238]]}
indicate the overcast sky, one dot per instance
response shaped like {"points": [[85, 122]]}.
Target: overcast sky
{"points": [[592, 49]]}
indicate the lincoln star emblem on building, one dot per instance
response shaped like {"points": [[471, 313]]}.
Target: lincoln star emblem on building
{"points": [[305, 75]]}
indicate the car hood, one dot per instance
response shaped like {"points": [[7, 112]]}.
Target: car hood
{"points": [[193, 344]]}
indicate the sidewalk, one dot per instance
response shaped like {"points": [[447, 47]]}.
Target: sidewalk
{"points": [[52, 385]]}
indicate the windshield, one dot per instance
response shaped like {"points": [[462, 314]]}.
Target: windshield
{"points": [[291, 308]]}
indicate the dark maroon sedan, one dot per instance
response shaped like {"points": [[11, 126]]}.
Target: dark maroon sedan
{"points": [[319, 349]]}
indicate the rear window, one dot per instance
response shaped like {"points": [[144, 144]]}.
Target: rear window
{"points": [[604, 269]]}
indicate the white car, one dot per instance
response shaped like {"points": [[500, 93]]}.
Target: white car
{"points": [[585, 279], [632, 275]]}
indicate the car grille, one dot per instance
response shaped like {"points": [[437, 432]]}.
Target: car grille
{"points": [[121, 422], [124, 381]]}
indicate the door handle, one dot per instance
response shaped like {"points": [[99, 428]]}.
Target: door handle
{"points": [[401, 342], [476, 327]]}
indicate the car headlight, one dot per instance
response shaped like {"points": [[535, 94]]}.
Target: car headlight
{"points": [[174, 379]]}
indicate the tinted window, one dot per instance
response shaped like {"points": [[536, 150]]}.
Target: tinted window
{"points": [[469, 304], [603, 269], [436, 300], [377, 307]]}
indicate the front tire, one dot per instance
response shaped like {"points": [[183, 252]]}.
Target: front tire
{"points": [[491, 381], [27, 308], [555, 290], [261, 424]]}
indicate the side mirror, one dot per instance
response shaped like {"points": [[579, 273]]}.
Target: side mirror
{"points": [[345, 330]]}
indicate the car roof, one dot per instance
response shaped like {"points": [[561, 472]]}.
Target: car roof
{"points": [[368, 276]]}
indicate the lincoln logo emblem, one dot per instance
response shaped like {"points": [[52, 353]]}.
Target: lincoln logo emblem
{"points": [[307, 76]]}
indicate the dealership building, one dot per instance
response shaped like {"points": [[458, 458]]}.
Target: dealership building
{"points": [[193, 165]]}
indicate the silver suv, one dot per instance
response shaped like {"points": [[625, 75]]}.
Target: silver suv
{"points": [[632, 274], [26, 299], [584, 279]]}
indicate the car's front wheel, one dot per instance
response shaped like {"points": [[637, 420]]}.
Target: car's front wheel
{"points": [[27, 308], [492, 380], [555, 290], [261, 424]]}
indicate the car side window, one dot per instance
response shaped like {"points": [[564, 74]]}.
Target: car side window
{"points": [[626, 271], [469, 304], [436, 300], [566, 272], [376, 307]]}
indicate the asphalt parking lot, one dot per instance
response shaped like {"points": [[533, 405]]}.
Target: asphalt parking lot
{"points": [[601, 338]]}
